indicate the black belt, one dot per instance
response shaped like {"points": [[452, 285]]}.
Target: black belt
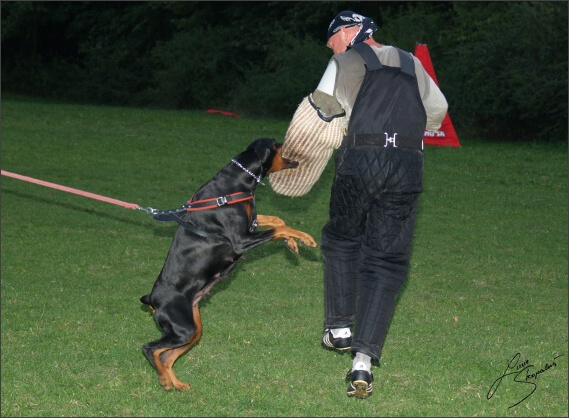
{"points": [[396, 141]]}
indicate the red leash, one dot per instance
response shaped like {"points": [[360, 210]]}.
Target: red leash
{"points": [[75, 191], [158, 214]]}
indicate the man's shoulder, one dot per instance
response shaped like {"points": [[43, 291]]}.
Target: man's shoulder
{"points": [[387, 54], [349, 54], [390, 55], [351, 60], [348, 59]]}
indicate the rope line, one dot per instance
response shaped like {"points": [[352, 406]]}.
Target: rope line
{"points": [[71, 190]]}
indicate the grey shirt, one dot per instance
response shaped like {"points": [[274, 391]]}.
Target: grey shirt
{"points": [[343, 77]]}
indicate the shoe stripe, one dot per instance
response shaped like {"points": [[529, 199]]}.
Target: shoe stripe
{"points": [[329, 343], [326, 340]]}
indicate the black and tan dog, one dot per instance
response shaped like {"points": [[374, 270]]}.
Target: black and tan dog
{"points": [[218, 225]]}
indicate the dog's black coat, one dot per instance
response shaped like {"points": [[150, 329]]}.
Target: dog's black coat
{"points": [[195, 263]]}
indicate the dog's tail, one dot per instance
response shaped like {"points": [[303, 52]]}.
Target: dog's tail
{"points": [[145, 299]]}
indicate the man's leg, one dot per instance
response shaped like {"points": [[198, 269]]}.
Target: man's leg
{"points": [[341, 260], [340, 246], [384, 264]]}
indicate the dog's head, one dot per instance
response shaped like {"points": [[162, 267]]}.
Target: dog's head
{"points": [[269, 153]]}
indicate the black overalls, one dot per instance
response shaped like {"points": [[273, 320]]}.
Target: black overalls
{"points": [[366, 244]]}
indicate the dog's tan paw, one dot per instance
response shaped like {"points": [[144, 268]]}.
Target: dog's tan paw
{"points": [[183, 386], [292, 245], [166, 383], [308, 240]]}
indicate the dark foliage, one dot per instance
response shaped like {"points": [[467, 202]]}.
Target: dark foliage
{"points": [[501, 65]]}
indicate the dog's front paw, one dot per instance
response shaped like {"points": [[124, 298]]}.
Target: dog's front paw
{"points": [[292, 245], [307, 239]]}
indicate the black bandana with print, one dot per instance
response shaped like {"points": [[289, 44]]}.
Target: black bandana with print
{"points": [[347, 18]]}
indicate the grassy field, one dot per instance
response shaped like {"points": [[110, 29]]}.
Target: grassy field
{"points": [[488, 279]]}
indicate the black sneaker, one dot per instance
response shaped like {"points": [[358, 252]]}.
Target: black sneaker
{"points": [[360, 383], [340, 344]]}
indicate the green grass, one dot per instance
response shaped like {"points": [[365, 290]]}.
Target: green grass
{"points": [[488, 278]]}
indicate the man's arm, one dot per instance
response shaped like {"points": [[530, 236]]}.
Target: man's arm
{"points": [[323, 100], [433, 99]]}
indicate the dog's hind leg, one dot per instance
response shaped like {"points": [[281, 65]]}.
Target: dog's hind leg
{"points": [[162, 360], [170, 356], [179, 336], [163, 375]]}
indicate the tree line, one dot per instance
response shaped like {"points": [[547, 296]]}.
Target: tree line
{"points": [[501, 65]]}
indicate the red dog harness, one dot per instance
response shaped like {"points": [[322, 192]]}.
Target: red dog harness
{"points": [[216, 202], [205, 204]]}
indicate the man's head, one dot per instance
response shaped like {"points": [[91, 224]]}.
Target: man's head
{"points": [[347, 29]]}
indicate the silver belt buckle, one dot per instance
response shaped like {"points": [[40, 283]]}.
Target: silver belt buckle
{"points": [[389, 140], [221, 201]]}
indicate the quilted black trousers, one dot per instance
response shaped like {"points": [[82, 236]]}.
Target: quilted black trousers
{"points": [[366, 244]]}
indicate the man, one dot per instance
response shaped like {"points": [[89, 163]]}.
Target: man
{"points": [[385, 100]]}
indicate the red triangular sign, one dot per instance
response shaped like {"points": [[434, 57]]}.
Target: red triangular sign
{"points": [[446, 136]]}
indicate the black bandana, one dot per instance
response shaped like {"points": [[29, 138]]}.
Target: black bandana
{"points": [[348, 18]]}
